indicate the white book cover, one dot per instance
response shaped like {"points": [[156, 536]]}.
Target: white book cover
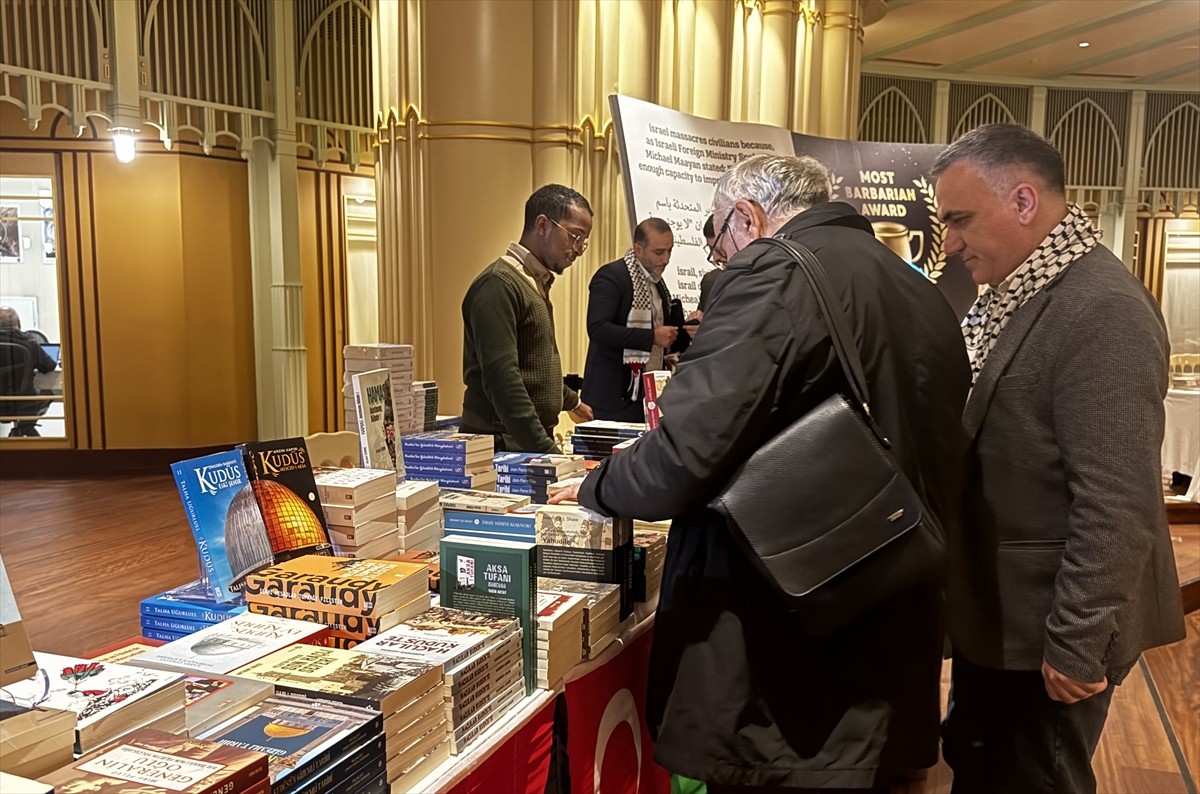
{"points": [[555, 609], [233, 643], [93, 690], [377, 435], [441, 636]]}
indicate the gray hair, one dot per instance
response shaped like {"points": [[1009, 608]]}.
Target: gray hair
{"points": [[782, 185], [1002, 147]]}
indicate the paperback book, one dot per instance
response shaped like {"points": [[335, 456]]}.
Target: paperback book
{"points": [[222, 647], [225, 518], [281, 474], [335, 584], [376, 420], [495, 577]]}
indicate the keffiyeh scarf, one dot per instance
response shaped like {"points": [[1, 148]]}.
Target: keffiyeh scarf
{"points": [[988, 316], [641, 315]]}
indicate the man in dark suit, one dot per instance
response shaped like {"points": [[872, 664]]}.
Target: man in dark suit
{"points": [[1063, 573], [630, 325]]}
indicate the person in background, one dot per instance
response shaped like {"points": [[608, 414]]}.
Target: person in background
{"points": [[1063, 573], [511, 366], [628, 324], [16, 380], [717, 260], [740, 696]]}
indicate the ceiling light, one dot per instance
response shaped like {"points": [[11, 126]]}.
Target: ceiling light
{"points": [[1085, 44], [125, 145]]}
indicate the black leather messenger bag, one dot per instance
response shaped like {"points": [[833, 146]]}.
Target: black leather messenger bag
{"points": [[822, 508]]}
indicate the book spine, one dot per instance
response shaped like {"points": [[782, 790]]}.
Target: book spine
{"points": [[188, 612], [455, 482], [184, 627], [650, 400], [244, 779], [524, 478], [434, 446], [165, 636], [355, 626], [360, 736], [360, 413], [464, 519], [206, 560], [418, 468], [360, 599]]}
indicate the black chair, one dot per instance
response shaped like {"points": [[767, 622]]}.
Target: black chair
{"points": [[16, 379], [37, 336]]}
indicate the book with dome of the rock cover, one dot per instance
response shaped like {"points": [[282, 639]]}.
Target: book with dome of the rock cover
{"points": [[281, 475]]}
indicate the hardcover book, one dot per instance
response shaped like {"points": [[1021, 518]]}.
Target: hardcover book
{"points": [[495, 577], [222, 647], [184, 603], [282, 478], [376, 420], [335, 584], [154, 761], [225, 518], [108, 699], [370, 680]]}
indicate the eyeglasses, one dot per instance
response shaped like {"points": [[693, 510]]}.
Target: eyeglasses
{"points": [[577, 240], [712, 249]]}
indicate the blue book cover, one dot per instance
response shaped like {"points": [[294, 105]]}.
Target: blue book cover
{"points": [[225, 519], [165, 636], [445, 441], [447, 481], [173, 625], [416, 468], [490, 534]]}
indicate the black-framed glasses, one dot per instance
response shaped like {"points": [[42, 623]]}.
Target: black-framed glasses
{"points": [[712, 249], [577, 240]]}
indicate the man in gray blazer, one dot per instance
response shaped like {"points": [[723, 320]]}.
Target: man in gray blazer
{"points": [[1063, 573]]}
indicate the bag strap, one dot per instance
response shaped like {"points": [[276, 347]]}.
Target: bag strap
{"points": [[838, 325]]}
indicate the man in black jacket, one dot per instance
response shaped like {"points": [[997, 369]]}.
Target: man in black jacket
{"points": [[629, 323], [740, 695], [17, 377]]}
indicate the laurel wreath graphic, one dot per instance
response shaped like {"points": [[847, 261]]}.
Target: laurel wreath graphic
{"points": [[935, 262], [835, 186]]}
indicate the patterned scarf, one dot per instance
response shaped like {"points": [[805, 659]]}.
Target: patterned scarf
{"points": [[641, 315], [988, 316]]}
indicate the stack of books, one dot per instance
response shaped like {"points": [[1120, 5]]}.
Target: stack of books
{"points": [[221, 648], [576, 543], [408, 694], [485, 514], [360, 511], [184, 610], [595, 440], [35, 741], [431, 560], [531, 473], [425, 403], [481, 655], [151, 760], [652, 526], [419, 515], [649, 554], [109, 700], [447, 422], [496, 577], [560, 635], [398, 360], [455, 460], [311, 744], [601, 610], [353, 599]]}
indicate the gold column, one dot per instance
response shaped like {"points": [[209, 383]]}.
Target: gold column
{"points": [[713, 33], [777, 50], [806, 87], [401, 182], [841, 55]]}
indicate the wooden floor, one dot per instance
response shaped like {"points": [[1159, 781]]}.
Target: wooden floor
{"points": [[81, 553]]}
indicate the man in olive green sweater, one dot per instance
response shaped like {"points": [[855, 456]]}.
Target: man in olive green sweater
{"points": [[511, 366]]}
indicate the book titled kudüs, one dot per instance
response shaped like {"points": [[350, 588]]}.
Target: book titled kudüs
{"points": [[225, 518], [281, 474], [222, 647]]}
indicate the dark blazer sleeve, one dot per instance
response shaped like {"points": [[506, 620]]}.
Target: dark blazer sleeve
{"points": [[607, 293], [718, 407], [1109, 383], [41, 360]]}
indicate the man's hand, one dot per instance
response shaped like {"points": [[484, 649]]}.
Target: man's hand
{"points": [[664, 335], [1064, 689], [565, 495], [581, 413]]}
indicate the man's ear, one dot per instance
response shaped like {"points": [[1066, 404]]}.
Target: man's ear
{"points": [[749, 217], [1027, 201]]}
